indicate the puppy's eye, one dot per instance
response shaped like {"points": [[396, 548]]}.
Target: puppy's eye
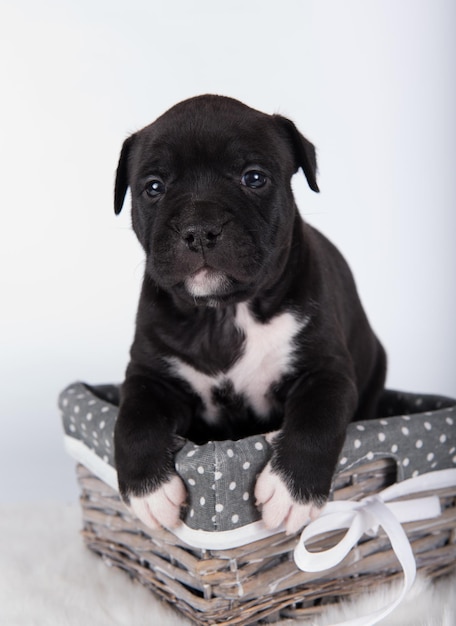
{"points": [[254, 179], [154, 188]]}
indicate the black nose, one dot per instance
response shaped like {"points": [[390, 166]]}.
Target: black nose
{"points": [[200, 236]]}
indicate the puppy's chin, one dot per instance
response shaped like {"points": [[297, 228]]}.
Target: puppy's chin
{"points": [[207, 283], [208, 287]]}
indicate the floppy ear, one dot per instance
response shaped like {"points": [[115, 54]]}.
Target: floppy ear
{"points": [[304, 151], [121, 184]]}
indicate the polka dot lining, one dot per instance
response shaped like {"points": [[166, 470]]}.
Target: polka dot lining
{"points": [[220, 476]]}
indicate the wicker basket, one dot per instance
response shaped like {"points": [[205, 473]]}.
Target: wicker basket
{"points": [[250, 583], [260, 581]]}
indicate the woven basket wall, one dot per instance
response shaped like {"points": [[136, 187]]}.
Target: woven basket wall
{"points": [[259, 581]]}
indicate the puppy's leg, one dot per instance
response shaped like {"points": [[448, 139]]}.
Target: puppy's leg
{"points": [[145, 445], [295, 485]]}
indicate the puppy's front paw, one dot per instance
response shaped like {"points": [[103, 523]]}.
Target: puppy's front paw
{"points": [[278, 506], [162, 506]]}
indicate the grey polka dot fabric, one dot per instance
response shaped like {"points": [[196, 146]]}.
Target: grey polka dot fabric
{"points": [[89, 415], [220, 477], [417, 431], [421, 439]]}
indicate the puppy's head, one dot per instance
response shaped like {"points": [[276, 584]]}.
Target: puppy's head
{"points": [[211, 197]]}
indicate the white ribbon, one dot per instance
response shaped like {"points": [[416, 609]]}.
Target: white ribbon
{"points": [[366, 516]]}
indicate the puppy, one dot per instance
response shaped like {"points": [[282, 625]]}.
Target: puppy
{"points": [[248, 320]]}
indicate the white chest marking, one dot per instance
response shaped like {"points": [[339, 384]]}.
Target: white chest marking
{"points": [[266, 357]]}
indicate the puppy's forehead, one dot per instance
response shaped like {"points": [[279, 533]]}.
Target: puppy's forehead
{"points": [[214, 127]]}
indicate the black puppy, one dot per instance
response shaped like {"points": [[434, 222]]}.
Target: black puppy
{"points": [[248, 321]]}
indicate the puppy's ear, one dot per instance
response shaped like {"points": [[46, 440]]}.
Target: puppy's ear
{"points": [[121, 184], [304, 151]]}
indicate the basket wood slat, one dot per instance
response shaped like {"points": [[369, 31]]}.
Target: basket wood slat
{"points": [[259, 580]]}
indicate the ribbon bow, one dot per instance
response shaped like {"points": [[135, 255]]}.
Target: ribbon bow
{"points": [[366, 516]]}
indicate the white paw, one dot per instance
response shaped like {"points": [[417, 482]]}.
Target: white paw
{"points": [[277, 505], [161, 507]]}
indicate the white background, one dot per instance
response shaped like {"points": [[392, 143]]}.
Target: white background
{"points": [[370, 82]]}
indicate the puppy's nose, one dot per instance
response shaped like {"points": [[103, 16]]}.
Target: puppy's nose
{"points": [[200, 236]]}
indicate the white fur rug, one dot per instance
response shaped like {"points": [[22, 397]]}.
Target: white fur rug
{"points": [[48, 578]]}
